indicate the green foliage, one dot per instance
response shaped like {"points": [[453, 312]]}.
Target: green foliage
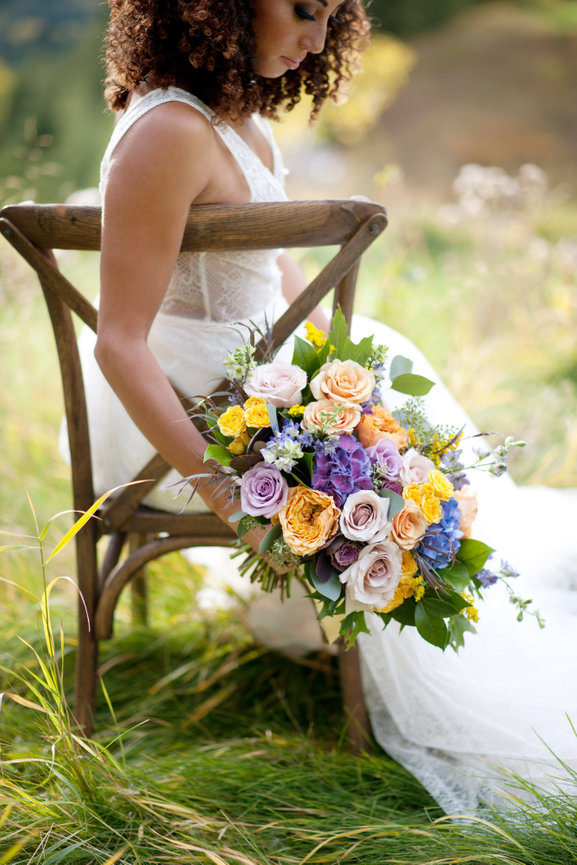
{"points": [[408, 17]]}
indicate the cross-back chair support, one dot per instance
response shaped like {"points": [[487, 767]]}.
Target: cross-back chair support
{"points": [[34, 231]]}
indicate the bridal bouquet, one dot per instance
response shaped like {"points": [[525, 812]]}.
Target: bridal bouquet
{"points": [[372, 509]]}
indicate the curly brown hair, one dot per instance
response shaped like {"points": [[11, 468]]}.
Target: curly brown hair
{"points": [[205, 47]]}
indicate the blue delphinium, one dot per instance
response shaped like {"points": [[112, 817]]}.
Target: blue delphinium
{"points": [[451, 460], [442, 540], [343, 470]]}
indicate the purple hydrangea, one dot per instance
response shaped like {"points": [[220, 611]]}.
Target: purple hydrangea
{"points": [[442, 540], [344, 471]]}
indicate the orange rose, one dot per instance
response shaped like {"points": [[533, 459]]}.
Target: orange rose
{"points": [[409, 526], [330, 418], [309, 519], [343, 382], [467, 500], [380, 423]]}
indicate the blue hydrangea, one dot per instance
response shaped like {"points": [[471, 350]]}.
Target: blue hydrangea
{"points": [[443, 539]]}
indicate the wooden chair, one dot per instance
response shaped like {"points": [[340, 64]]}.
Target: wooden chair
{"points": [[137, 534]]}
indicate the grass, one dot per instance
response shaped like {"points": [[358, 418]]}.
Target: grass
{"points": [[209, 748]]}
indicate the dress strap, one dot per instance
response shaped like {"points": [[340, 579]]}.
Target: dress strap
{"points": [[263, 185]]}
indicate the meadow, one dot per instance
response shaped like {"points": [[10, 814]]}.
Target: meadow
{"points": [[209, 748]]}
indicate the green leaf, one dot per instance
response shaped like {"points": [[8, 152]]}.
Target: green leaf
{"points": [[474, 554], [271, 536], [244, 525], [360, 352], [405, 613], [413, 385], [218, 453], [330, 588], [305, 356], [338, 335], [458, 627], [353, 625], [431, 627], [442, 608], [457, 576], [400, 366], [396, 502]]}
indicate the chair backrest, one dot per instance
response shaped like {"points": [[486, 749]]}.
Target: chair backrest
{"points": [[37, 229]]}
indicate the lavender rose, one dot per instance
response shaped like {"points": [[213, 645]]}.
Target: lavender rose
{"points": [[343, 552], [364, 517], [372, 580], [343, 471], [386, 453], [263, 491], [277, 383]]}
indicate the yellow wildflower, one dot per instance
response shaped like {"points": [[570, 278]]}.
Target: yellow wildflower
{"points": [[296, 410], [231, 422], [256, 413], [314, 335], [471, 612]]}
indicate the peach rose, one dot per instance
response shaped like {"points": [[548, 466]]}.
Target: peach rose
{"points": [[344, 382], [326, 416], [467, 500], [309, 519], [409, 526], [378, 423]]}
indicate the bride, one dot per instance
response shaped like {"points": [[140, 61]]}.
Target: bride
{"points": [[195, 82]]}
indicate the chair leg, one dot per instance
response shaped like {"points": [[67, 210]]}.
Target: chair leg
{"points": [[138, 585], [358, 727], [86, 675]]}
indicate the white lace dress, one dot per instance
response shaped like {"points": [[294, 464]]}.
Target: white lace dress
{"points": [[447, 717]]}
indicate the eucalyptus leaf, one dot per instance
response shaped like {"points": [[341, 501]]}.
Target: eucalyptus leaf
{"points": [[244, 525], [271, 409], [330, 588], [399, 366], [396, 502], [413, 385], [271, 536]]}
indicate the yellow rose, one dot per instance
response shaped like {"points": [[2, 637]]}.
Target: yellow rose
{"points": [[309, 519], [409, 526], [343, 382], [423, 496], [237, 446], [256, 413], [440, 485], [331, 418], [379, 423], [231, 422]]}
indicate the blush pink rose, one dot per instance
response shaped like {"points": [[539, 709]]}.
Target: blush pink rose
{"points": [[371, 581], [364, 517], [343, 382], [280, 384], [331, 418], [416, 468]]}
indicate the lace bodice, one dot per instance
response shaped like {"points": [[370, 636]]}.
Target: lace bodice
{"points": [[218, 286]]}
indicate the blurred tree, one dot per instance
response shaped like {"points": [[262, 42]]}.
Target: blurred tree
{"points": [[408, 17]]}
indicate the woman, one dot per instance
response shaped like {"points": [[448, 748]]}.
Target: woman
{"points": [[195, 80]]}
